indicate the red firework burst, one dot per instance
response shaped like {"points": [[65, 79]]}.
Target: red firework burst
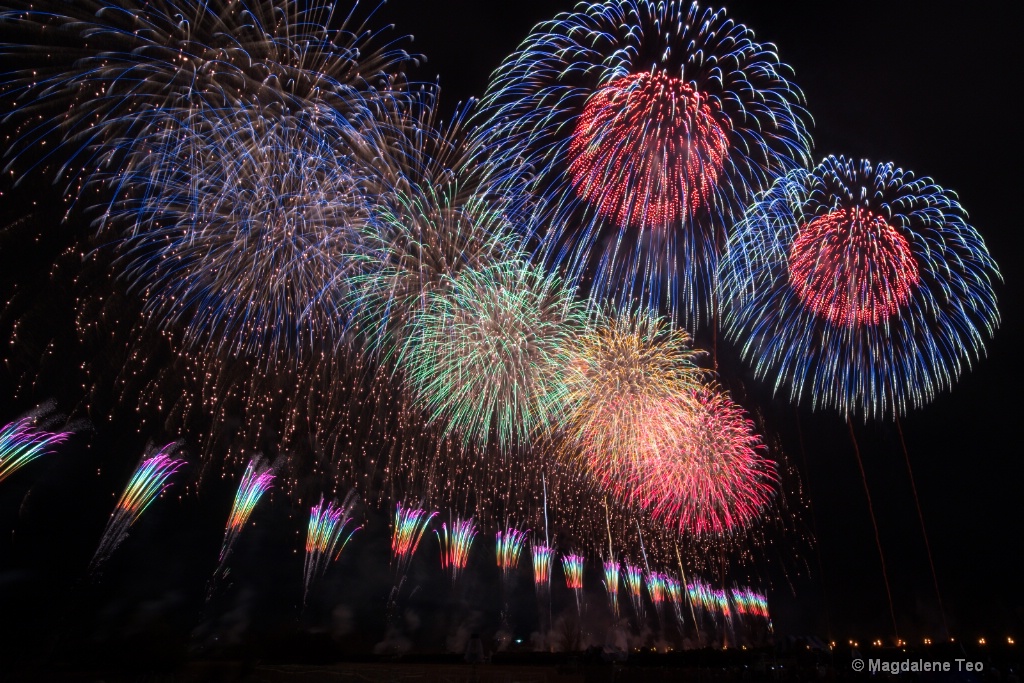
{"points": [[852, 267], [647, 150], [705, 474]]}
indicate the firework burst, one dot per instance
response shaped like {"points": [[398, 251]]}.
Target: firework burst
{"points": [[635, 584], [859, 286], [150, 479], [248, 232], [101, 76], [488, 354], [410, 525], [630, 377], [652, 124]]}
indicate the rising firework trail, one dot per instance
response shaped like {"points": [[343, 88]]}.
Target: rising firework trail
{"points": [[328, 533], [150, 479], [22, 441]]}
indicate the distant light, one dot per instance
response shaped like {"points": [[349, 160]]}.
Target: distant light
{"points": [[1009, 641], [519, 641], [981, 641]]}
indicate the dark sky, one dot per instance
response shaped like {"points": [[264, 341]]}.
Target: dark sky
{"points": [[927, 85]]}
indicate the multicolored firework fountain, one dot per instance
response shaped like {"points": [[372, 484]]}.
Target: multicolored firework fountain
{"points": [[256, 480], [22, 441], [326, 537], [455, 545], [150, 479], [611, 584], [509, 546]]}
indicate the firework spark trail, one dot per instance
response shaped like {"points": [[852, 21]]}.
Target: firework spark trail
{"points": [[611, 583], [635, 584], [509, 547], [651, 125], [256, 480], [22, 441], [859, 287], [150, 479], [455, 544], [327, 535], [657, 589]]}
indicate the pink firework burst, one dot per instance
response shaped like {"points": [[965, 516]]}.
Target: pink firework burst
{"points": [[852, 267], [647, 150]]}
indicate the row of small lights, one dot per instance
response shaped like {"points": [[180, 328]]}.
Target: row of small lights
{"points": [[927, 641]]}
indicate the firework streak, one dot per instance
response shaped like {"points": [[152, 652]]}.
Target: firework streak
{"points": [[256, 480], [21, 443], [542, 559], [572, 565], [611, 584], [151, 478], [509, 547], [455, 545], [326, 537]]}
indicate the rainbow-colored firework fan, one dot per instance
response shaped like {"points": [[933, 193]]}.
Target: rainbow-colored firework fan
{"points": [[543, 556], [326, 537], [572, 565], [455, 544], [256, 480], [657, 588], [611, 583], [859, 287], [22, 441], [410, 525], [652, 124], [748, 602], [150, 479], [509, 546]]}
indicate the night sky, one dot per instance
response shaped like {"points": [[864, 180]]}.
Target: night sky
{"points": [[931, 87]]}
